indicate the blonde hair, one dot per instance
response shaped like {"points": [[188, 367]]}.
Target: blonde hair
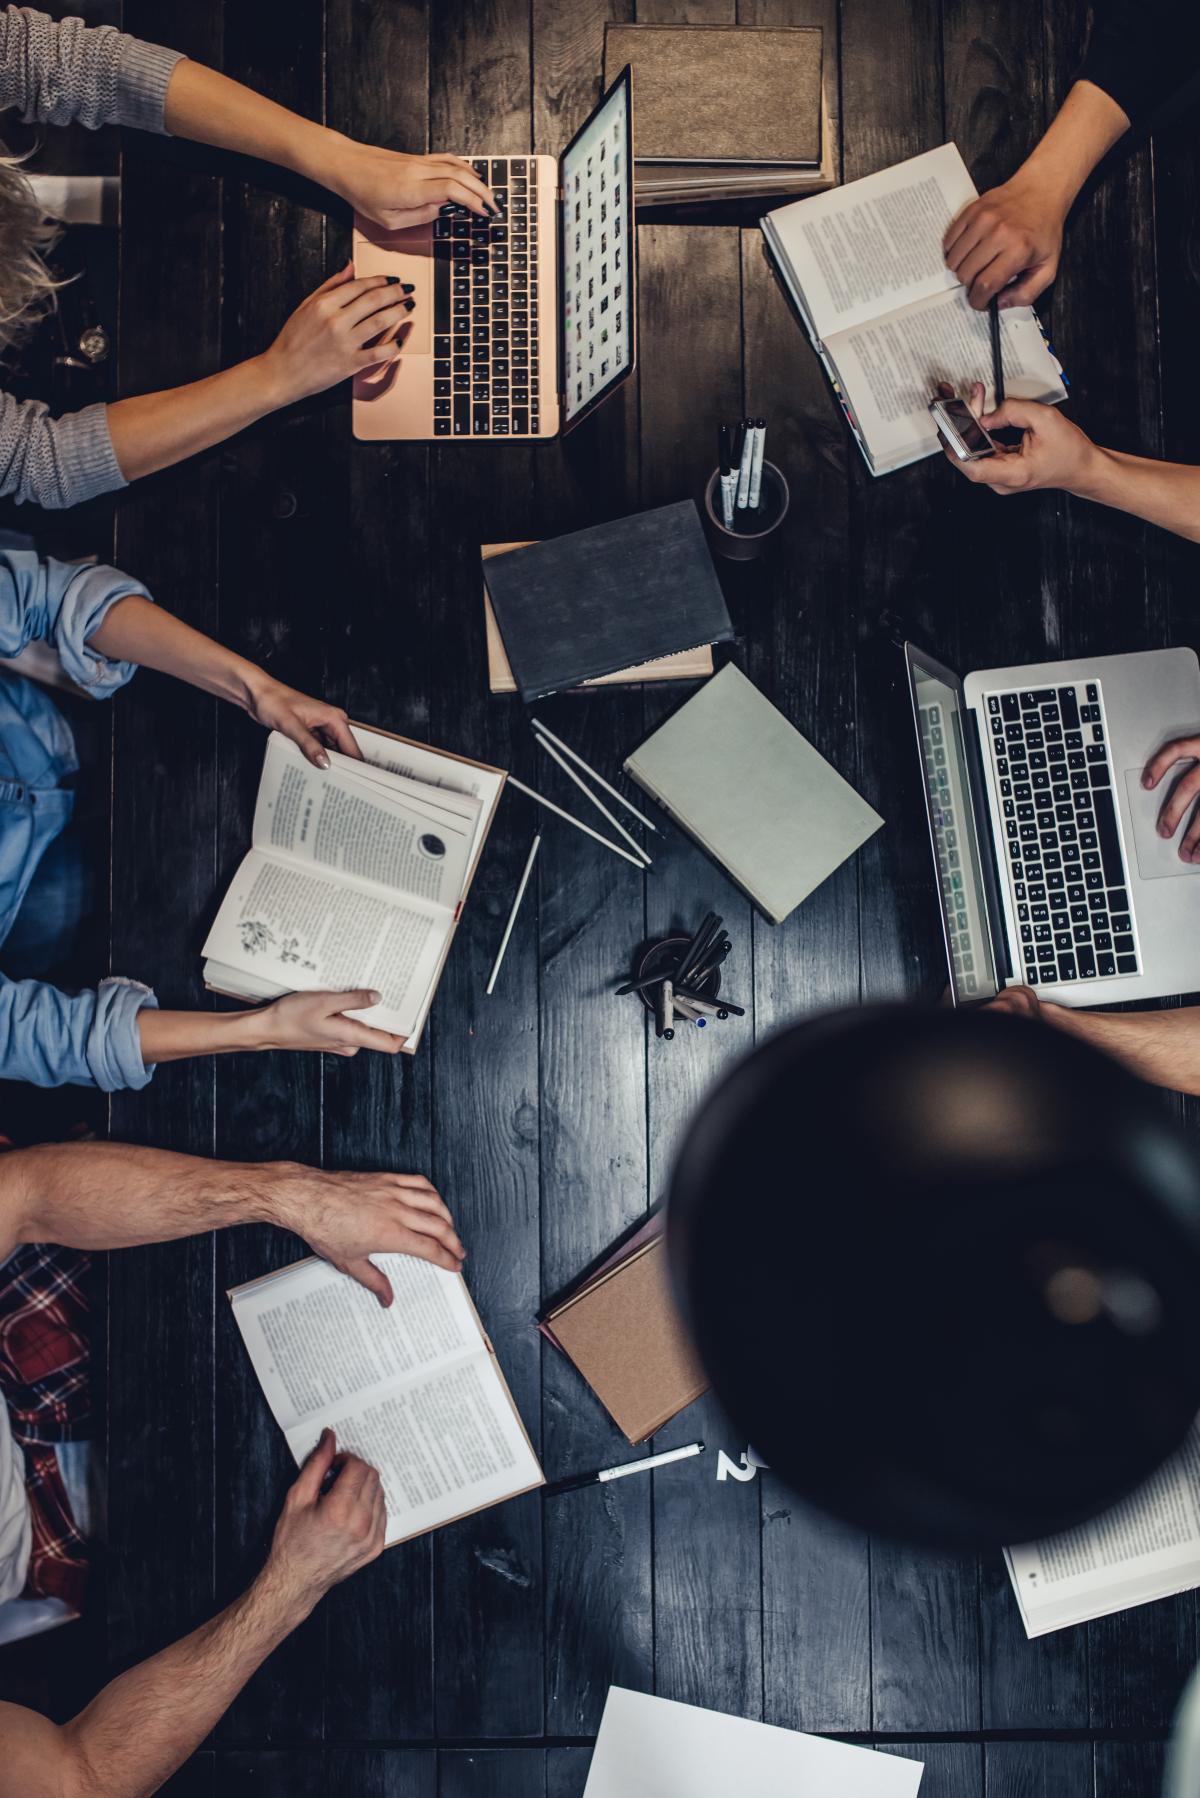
{"points": [[27, 287]]}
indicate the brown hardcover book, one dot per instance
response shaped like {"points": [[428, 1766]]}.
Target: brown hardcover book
{"points": [[624, 1334], [722, 94], [694, 183], [688, 664]]}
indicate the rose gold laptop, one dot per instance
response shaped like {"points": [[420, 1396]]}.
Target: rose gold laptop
{"points": [[524, 324]]}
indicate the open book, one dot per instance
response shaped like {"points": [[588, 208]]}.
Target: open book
{"points": [[1145, 1548], [865, 268], [416, 1390], [355, 877]]}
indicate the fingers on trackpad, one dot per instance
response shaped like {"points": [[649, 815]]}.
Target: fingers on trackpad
{"points": [[1157, 857]]}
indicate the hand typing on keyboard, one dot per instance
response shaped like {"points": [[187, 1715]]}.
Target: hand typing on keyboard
{"points": [[1182, 796], [399, 191], [327, 337]]}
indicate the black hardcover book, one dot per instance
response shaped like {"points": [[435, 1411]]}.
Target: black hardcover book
{"points": [[572, 608]]}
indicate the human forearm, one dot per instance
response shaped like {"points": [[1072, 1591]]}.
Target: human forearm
{"points": [[156, 430], [114, 1195], [134, 630], [211, 109], [1163, 493], [1161, 1047], [146, 1723], [1087, 125]]}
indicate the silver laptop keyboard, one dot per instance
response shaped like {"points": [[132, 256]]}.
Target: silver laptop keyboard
{"points": [[950, 867], [1066, 868], [485, 309]]}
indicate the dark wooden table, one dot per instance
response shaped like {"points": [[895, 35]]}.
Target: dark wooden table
{"points": [[476, 1662]]}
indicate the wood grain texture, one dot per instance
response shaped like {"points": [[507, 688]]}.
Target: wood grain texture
{"points": [[159, 1375], [378, 664], [1038, 1770], [280, 527], [952, 1769], [484, 1050], [707, 1567]]}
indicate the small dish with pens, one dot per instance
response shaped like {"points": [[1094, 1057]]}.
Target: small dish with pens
{"points": [[678, 979]]}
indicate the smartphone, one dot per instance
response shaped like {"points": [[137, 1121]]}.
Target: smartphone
{"points": [[961, 429]]}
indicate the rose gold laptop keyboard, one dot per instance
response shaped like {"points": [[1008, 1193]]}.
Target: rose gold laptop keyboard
{"points": [[485, 310]]}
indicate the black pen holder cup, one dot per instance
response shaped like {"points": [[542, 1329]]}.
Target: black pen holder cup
{"points": [[747, 545], [664, 955]]}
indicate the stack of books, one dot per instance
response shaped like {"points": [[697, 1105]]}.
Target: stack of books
{"points": [[636, 599], [724, 112]]}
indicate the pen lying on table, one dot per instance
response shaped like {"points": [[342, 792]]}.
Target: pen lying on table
{"points": [[604, 1474]]}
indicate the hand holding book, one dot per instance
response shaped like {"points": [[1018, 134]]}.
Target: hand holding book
{"points": [[316, 1021]]}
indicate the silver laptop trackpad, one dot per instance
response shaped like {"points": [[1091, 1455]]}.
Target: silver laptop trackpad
{"points": [[1157, 857]]}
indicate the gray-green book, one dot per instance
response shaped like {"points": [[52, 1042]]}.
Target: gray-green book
{"points": [[753, 792]]}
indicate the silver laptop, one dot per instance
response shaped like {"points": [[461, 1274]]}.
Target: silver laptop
{"points": [[1051, 871]]}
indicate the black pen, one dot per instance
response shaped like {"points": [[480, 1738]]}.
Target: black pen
{"points": [[696, 944], [604, 1474], [997, 353]]}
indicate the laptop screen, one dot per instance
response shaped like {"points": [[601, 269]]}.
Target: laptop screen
{"points": [[941, 722], [597, 251]]}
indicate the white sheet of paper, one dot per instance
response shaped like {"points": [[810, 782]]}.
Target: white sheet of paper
{"points": [[654, 1748]]}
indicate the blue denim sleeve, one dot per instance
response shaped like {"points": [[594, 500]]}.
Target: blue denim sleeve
{"points": [[63, 604], [50, 1038]]}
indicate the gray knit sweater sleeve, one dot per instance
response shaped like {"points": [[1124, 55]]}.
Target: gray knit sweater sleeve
{"points": [[55, 72], [55, 462]]}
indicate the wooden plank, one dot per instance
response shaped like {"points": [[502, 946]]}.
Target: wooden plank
{"points": [[1038, 1770], [952, 1769], [1041, 1684], [800, 651], [195, 1779], [160, 1300], [707, 1566], [281, 532], [1129, 1769], [995, 112], [335, 1772], [492, 1773], [484, 1050], [1106, 585], [378, 1112], [567, 1771], [923, 1608], [597, 1598], [594, 1174]]}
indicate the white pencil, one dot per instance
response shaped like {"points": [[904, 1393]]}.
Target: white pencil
{"points": [[578, 823], [599, 804], [516, 906], [598, 778]]}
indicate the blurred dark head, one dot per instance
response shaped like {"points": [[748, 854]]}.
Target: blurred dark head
{"points": [[943, 1268]]}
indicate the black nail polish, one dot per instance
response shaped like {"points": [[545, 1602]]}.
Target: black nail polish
{"points": [[392, 280], [409, 304], [408, 287]]}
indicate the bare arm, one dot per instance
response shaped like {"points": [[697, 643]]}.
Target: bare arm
{"points": [[114, 1195], [1161, 1047], [324, 341], [135, 630], [389, 186], [146, 1723], [1054, 452], [1163, 493]]}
